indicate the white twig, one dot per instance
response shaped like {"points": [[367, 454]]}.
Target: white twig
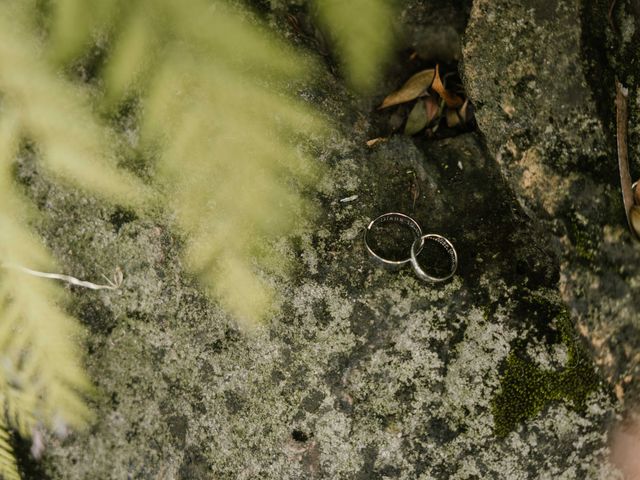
{"points": [[112, 284]]}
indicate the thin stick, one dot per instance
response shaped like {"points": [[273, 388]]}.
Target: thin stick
{"points": [[622, 117], [610, 15], [112, 285]]}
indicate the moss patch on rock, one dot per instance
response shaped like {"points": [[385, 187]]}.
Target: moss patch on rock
{"points": [[584, 237], [526, 388]]}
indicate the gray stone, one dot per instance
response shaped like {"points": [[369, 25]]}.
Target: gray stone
{"points": [[542, 77], [367, 373]]}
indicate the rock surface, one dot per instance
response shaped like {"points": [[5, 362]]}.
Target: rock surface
{"points": [[542, 77], [366, 373]]}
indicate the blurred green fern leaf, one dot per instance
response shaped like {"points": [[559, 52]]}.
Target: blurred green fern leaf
{"points": [[41, 378], [363, 35], [213, 87], [8, 467], [218, 119], [56, 115]]}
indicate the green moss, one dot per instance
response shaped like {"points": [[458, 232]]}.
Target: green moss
{"points": [[584, 240], [583, 248], [526, 388]]}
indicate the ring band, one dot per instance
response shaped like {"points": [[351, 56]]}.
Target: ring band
{"points": [[417, 246], [394, 217]]}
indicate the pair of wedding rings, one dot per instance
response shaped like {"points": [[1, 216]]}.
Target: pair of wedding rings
{"points": [[416, 247]]}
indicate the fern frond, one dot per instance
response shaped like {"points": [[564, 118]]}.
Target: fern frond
{"points": [[362, 32], [8, 467], [215, 103], [54, 115], [230, 164], [40, 373], [40, 377], [75, 25]]}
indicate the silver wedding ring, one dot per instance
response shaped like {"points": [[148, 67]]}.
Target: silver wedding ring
{"points": [[418, 244], [393, 217], [416, 247]]}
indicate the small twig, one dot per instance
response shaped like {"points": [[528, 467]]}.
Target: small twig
{"points": [[610, 15], [415, 191], [622, 117], [112, 284]]}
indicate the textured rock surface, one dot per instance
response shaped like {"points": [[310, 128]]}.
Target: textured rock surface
{"points": [[370, 374], [541, 74], [366, 374]]}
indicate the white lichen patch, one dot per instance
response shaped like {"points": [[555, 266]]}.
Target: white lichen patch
{"points": [[339, 455], [472, 378], [549, 357], [355, 231]]}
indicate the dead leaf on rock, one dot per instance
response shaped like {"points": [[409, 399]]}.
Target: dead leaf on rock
{"points": [[453, 120], [434, 109], [466, 111], [452, 100], [412, 89], [417, 119]]}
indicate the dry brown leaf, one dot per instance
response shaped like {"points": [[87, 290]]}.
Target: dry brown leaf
{"points": [[411, 90], [437, 84], [452, 100], [433, 109], [453, 120], [465, 112]]}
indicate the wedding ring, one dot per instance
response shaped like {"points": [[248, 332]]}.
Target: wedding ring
{"points": [[417, 246], [394, 217]]}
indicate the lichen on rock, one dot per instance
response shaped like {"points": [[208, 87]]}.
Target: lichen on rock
{"points": [[367, 373], [542, 74]]}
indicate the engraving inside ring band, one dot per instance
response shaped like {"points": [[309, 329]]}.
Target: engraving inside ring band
{"points": [[387, 218], [448, 247]]}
